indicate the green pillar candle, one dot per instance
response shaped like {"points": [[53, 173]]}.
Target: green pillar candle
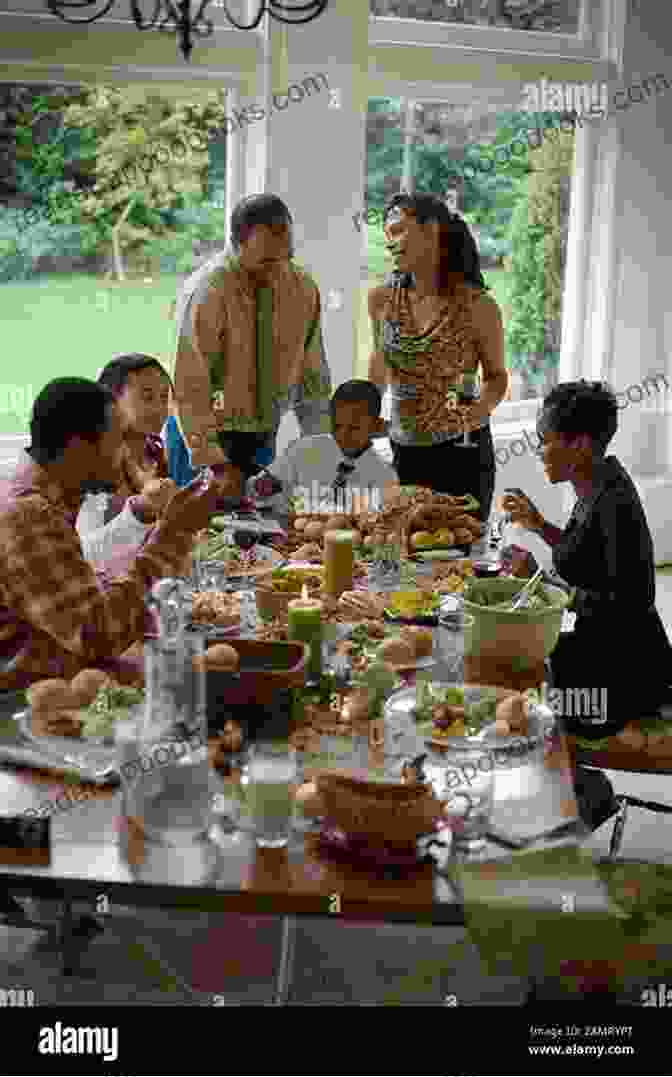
{"points": [[304, 621]]}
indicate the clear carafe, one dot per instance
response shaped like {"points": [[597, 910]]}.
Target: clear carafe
{"points": [[168, 791]]}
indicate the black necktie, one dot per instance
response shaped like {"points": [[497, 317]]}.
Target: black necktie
{"points": [[344, 469]]}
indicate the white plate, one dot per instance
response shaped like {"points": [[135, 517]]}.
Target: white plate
{"points": [[75, 753], [449, 554]]}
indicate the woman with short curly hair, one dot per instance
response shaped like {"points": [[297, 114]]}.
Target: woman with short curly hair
{"points": [[605, 552]]}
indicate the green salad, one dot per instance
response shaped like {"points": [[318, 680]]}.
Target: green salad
{"points": [[478, 713], [111, 704], [540, 600], [216, 548]]}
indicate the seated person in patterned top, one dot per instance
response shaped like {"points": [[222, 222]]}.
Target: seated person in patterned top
{"points": [[57, 616], [328, 469], [112, 524]]}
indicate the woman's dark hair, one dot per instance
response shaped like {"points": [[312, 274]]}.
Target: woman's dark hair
{"points": [[459, 253], [265, 209], [580, 407], [115, 374], [357, 391], [67, 408]]}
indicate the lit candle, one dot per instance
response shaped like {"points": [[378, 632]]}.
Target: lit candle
{"points": [[338, 562], [305, 624]]}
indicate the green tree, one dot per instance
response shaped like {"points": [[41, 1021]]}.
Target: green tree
{"points": [[537, 259], [145, 162]]}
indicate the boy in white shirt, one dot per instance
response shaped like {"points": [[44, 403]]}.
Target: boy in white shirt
{"points": [[340, 470]]}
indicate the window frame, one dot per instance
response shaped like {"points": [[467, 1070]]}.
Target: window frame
{"points": [[587, 44]]}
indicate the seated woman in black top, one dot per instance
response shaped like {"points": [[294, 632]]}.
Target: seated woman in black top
{"points": [[606, 553]]}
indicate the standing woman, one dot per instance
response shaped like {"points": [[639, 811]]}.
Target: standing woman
{"points": [[435, 328]]}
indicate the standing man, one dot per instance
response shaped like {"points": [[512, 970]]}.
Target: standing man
{"points": [[249, 345]]}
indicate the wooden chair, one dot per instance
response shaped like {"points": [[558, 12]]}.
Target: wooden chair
{"points": [[634, 752]]}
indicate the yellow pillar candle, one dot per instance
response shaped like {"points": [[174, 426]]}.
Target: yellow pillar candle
{"points": [[338, 562], [305, 624]]}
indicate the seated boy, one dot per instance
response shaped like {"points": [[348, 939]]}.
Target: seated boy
{"points": [[338, 469]]}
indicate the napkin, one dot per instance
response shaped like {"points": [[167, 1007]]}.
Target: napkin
{"points": [[535, 910]]}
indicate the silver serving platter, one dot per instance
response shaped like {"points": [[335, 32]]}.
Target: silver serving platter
{"points": [[401, 705], [93, 759]]}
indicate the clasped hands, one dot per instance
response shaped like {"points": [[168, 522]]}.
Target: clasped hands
{"points": [[158, 493]]}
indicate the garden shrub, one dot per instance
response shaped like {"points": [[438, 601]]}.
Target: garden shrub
{"points": [[28, 237], [195, 229]]}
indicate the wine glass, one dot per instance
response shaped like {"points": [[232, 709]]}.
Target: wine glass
{"points": [[467, 394]]}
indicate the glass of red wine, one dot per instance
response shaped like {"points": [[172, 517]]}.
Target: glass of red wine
{"points": [[245, 539]]}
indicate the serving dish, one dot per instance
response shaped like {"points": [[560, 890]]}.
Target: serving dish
{"points": [[90, 759]]}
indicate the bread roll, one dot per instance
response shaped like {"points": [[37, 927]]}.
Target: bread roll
{"points": [[420, 639], [337, 523], [397, 651], [222, 657], [313, 530], [85, 686], [50, 695]]}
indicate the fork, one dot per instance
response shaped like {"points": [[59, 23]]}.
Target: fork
{"points": [[522, 598]]}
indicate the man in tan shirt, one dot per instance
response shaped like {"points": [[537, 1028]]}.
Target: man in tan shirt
{"points": [[249, 344]]}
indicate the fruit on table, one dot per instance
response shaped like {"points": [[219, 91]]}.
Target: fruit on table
{"points": [[420, 539], [444, 537]]}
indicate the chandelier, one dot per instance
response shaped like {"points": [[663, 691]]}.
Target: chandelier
{"points": [[175, 16]]}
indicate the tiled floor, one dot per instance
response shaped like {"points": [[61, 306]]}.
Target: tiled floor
{"points": [[168, 958]]}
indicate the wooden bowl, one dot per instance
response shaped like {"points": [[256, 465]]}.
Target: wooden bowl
{"points": [[386, 813]]}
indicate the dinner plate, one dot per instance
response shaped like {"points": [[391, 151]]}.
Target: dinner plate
{"points": [[428, 622], [451, 553], [89, 759], [211, 631]]}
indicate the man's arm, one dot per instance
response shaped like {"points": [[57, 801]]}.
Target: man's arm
{"points": [[310, 400], [56, 590], [199, 344]]}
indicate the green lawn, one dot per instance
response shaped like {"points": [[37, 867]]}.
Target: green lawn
{"points": [[58, 326]]}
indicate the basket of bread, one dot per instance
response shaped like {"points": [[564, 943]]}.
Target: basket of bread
{"points": [[384, 813]]}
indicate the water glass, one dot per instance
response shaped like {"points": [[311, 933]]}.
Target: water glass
{"points": [[462, 776], [271, 773], [385, 569], [452, 639]]}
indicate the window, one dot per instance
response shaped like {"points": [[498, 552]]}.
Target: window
{"points": [[547, 16], [70, 296], [507, 172]]}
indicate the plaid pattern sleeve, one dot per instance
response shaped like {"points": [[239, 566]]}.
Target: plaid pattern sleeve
{"points": [[54, 591]]}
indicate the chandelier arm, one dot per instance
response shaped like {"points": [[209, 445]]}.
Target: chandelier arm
{"points": [[56, 5], [320, 6], [137, 15], [241, 26]]}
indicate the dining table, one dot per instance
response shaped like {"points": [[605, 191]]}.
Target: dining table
{"points": [[95, 851]]}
